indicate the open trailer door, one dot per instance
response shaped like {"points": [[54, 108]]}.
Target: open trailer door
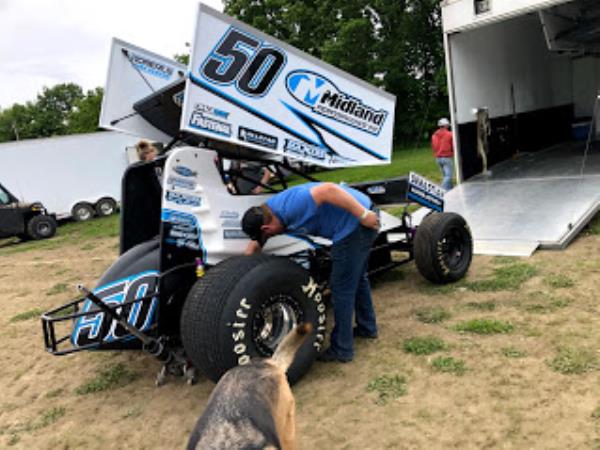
{"points": [[245, 87]]}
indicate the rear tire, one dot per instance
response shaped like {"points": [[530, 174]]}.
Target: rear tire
{"points": [[82, 212], [106, 207], [243, 307], [41, 227], [443, 247]]}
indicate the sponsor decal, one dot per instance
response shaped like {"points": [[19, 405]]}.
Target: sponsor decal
{"points": [[257, 137], [182, 183], [199, 121], [229, 214], [87, 328], [425, 192], [181, 230], [183, 199], [304, 150], [149, 66], [184, 171], [323, 97], [379, 189], [228, 223], [234, 234], [211, 111], [178, 98]]}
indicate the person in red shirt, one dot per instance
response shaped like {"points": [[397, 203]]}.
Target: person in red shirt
{"points": [[443, 150]]}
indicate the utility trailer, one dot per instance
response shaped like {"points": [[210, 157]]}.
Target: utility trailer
{"points": [[524, 78], [76, 176], [181, 289]]}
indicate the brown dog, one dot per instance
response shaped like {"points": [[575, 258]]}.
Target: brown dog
{"points": [[252, 406]]}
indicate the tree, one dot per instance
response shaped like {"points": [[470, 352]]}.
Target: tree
{"points": [[53, 107], [86, 113], [393, 43], [17, 122]]}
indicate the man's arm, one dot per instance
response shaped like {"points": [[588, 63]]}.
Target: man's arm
{"points": [[333, 194], [252, 248]]}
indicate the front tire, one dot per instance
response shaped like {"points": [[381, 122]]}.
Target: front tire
{"points": [[41, 227], [243, 307], [82, 212], [443, 247]]}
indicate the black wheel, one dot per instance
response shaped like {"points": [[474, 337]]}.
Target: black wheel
{"points": [[106, 207], [243, 307], [41, 227], [82, 212], [443, 247]]}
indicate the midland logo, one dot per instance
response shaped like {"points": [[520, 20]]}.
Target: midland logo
{"points": [[324, 98]]}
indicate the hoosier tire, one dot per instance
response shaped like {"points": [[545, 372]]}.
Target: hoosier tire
{"points": [[243, 307], [443, 247]]}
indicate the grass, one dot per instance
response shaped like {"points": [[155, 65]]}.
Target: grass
{"points": [[574, 361], [482, 306], [594, 225], [505, 277], [423, 345], [512, 352], [71, 232], [32, 313], [449, 365], [50, 416], [388, 387], [550, 305], [112, 377], [558, 281], [58, 288], [418, 160], [483, 326], [432, 315]]}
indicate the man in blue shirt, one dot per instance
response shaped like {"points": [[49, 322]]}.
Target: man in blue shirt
{"points": [[344, 216]]}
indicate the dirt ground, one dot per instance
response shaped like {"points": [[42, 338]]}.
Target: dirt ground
{"points": [[534, 386]]}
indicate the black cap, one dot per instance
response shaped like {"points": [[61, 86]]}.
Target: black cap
{"points": [[252, 223]]}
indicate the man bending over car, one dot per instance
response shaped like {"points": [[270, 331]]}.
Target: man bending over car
{"points": [[344, 216]]}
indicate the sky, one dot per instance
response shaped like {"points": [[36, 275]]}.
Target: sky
{"points": [[46, 42]]}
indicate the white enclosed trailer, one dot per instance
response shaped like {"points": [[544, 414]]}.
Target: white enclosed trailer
{"points": [[77, 175], [534, 67]]}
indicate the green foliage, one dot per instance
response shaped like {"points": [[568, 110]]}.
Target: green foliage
{"points": [[432, 315], [388, 387], [110, 378], [594, 225], [571, 361], [183, 58], [50, 416], [449, 365], [423, 345], [397, 45], [58, 288], [484, 326], [505, 277], [86, 113], [482, 306], [32, 313], [558, 280], [512, 352]]}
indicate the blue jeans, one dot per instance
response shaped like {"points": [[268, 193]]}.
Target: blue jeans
{"points": [[350, 289], [446, 165]]}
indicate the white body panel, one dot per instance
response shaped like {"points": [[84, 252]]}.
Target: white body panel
{"points": [[133, 74], [286, 102], [205, 216], [62, 171]]}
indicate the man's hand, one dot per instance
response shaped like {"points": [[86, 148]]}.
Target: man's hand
{"points": [[371, 221], [252, 248]]}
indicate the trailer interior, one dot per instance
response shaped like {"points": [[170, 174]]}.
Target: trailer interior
{"points": [[525, 106]]}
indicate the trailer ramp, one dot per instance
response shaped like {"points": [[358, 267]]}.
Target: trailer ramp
{"points": [[539, 200]]}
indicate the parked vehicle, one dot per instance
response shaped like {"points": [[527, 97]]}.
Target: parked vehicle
{"points": [[182, 289], [77, 176], [25, 220]]}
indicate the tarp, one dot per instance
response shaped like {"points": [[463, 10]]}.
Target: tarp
{"points": [[247, 88]]}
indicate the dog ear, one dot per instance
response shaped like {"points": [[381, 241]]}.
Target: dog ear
{"points": [[284, 355]]}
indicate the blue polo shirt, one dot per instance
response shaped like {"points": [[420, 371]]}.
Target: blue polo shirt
{"points": [[298, 212]]}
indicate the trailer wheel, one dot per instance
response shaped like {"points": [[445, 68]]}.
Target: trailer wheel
{"points": [[443, 247], [106, 207], [82, 212], [41, 227], [243, 307]]}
